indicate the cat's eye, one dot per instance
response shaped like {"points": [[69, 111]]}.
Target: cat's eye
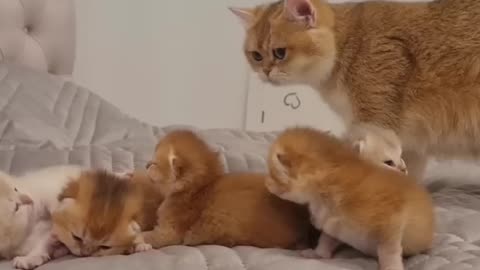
{"points": [[280, 53], [389, 163], [257, 56], [76, 238], [104, 247]]}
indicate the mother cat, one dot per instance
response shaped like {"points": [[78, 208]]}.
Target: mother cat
{"points": [[410, 67]]}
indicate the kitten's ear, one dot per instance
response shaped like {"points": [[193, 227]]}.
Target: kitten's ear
{"points": [[301, 11], [282, 164], [244, 14], [283, 160], [175, 164], [359, 145], [71, 191]]}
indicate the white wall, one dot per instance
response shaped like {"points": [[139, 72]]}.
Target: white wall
{"points": [[181, 62], [165, 62]]}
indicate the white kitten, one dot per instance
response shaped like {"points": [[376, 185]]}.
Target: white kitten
{"points": [[379, 145], [25, 206]]}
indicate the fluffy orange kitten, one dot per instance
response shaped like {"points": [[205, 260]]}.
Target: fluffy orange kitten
{"points": [[103, 214], [376, 210], [410, 67], [205, 206]]}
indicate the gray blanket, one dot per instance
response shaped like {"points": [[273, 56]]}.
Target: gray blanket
{"points": [[45, 120]]}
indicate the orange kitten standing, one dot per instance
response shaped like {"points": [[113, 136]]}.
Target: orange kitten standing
{"points": [[410, 67], [375, 210], [203, 205]]}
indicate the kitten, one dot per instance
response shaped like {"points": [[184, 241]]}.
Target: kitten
{"points": [[410, 67], [379, 145], [375, 210], [203, 205], [101, 213], [26, 203]]}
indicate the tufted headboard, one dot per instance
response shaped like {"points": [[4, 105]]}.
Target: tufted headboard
{"points": [[39, 34]]}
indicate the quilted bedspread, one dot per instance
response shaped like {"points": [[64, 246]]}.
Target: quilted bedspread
{"points": [[45, 120]]}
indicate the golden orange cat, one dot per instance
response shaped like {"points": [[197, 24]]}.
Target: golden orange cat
{"points": [[101, 213], [205, 206], [376, 210], [410, 67]]}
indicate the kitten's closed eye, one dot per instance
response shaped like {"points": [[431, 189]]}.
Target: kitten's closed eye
{"points": [[257, 56], [76, 238], [104, 247], [280, 53]]}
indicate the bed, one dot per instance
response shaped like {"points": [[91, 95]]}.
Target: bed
{"points": [[47, 119]]}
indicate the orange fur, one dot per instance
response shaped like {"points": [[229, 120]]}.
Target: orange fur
{"points": [[374, 209], [205, 206], [410, 67], [103, 214]]}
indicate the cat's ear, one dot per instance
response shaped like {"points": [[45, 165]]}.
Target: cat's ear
{"points": [[301, 11], [175, 164], [244, 14]]}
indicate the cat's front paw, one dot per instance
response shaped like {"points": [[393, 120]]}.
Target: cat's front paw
{"points": [[30, 262]]}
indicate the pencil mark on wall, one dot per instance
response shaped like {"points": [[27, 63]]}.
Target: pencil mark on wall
{"points": [[292, 100]]}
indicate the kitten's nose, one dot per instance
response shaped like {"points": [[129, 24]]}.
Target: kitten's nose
{"points": [[404, 170], [87, 251], [25, 199], [267, 71]]}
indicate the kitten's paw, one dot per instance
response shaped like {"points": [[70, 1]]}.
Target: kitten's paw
{"points": [[30, 262], [309, 253], [392, 268], [142, 247], [60, 252], [127, 175], [323, 253], [316, 254]]}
